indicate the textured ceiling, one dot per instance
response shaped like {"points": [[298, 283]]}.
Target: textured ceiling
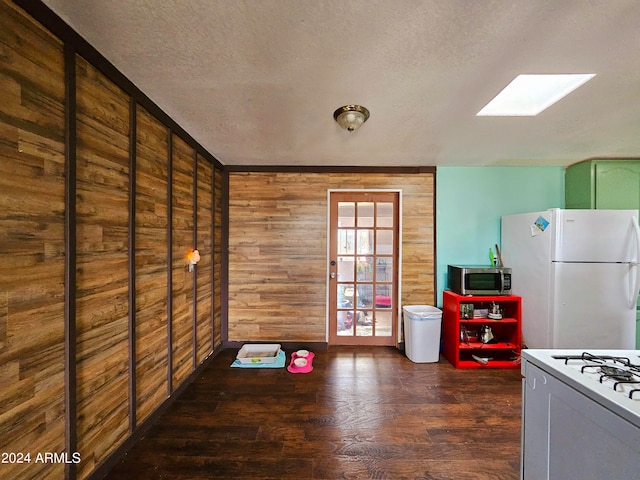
{"points": [[256, 81]]}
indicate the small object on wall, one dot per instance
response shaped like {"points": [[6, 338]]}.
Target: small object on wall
{"points": [[193, 257]]}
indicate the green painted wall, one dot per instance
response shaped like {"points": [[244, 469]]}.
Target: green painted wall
{"points": [[470, 202]]}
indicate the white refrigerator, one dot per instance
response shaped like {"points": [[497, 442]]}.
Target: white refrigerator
{"points": [[578, 275]]}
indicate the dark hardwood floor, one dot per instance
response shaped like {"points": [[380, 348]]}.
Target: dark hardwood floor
{"points": [[363, 413]]}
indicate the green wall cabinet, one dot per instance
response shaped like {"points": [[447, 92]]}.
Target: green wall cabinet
{"points": [[605, 184]]}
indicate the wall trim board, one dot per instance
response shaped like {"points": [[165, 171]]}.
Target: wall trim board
{"points": [[133, 109], [327, 169], [169, 260], [70, 340], [107, 465], [224, 261], [213, 258], [194, 286], [58, 27], [435, 240]]}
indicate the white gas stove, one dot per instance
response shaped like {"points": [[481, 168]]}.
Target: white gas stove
{"points": [[609, 377], [581, 414]]}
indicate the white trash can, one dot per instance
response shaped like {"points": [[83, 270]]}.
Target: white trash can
{"points": [[422, 326]]}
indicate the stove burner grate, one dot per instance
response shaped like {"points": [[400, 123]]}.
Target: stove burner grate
{"points": [[586, 356], [615, 373], [618, 369]]}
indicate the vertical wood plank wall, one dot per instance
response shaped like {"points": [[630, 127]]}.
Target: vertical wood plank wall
{"points": [[182, 280], [278, 249], [152, 174], [204, 243], [102, 265], [137, 324], [32, 256]]}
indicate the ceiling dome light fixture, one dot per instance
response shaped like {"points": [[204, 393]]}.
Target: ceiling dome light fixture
{"points": [[351, 117]]}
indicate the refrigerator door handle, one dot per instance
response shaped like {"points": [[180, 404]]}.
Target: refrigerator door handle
{"points": [[636, 229], [634, 280], [633, 285]]}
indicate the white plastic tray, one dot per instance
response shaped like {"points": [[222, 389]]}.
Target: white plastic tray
{"points": [[258, 353]]}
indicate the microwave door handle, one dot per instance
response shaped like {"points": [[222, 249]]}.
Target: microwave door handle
{"points": [[501, 281]]}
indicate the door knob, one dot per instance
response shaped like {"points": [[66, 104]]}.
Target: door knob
{"points": [[332, 274]]}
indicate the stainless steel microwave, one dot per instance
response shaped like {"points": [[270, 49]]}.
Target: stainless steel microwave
{"points": [[479, 280]]}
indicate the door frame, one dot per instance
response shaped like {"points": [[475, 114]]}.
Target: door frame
{"points": [[328, 259]]}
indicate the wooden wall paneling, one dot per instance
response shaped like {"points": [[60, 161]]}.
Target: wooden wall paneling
{"points": [[277, 252], [217, 256], [32, 257], [278, 249], [182, 280], [102, 199], [418, 237], [151, 316], [204, 242], [116, 176]]}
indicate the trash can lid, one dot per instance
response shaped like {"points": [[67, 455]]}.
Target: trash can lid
{"points": [[421, 309], [422, 312]]}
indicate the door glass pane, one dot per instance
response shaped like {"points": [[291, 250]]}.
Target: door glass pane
{"points": [[345, 295], [365, 241], [364, 332], [345, 322], [384, 216], [365, 214], [383, 296], [365, 296], [346, 241], [346, 214], [384, 269], [383, 324], [365, 269], [384, 242], [364, 324], [345, 269]]}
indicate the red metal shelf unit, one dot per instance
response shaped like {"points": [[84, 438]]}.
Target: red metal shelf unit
{"points": [[505, 353]]}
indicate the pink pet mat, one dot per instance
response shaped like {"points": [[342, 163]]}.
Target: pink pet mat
{"points": [[306, 369]]}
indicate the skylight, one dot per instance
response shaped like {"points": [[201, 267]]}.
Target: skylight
{"points": [[528, 95]]}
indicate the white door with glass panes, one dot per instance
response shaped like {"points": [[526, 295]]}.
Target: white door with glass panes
{"points": [[363, 265]]}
